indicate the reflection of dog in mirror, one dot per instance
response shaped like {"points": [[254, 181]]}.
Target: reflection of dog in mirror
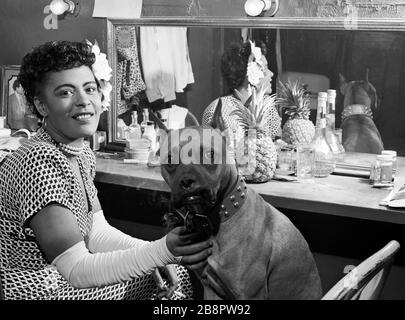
{"points": [[257, 253], [359, 132]]}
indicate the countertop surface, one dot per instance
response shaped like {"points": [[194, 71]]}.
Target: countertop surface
{"points": [[335, 195]]}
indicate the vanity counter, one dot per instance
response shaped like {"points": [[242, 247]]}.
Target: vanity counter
{"points": [[336, 195]]}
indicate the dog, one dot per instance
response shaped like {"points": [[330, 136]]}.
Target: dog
{"points": [[258, 254], [359, 132]]}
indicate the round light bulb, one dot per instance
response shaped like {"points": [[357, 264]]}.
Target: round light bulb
{"points": [[58, 7], [254, 7]]}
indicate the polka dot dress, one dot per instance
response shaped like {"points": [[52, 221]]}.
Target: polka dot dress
{"points": [[32, 177]]}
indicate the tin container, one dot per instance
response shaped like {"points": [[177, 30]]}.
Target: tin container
{"points": [[393, 155], [381, 170]]}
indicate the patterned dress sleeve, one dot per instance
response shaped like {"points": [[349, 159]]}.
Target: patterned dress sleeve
{"points": [[230, 122], [44, 178], [209, 113], [274, 122], [90, 167]]}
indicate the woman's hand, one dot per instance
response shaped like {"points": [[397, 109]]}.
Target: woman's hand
{"points": [[166, 288], [183, 244]]}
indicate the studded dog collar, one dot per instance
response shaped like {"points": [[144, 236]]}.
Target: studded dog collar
{"points": [[356, 109], [235, 200]]}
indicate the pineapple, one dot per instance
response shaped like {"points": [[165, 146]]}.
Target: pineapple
{"points": [[259, 163], [294, 99]]}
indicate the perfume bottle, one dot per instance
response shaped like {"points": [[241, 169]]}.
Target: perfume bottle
{"points": [[324, 158], [134, 130], [121, 129], [145, 120], [150, 134]]}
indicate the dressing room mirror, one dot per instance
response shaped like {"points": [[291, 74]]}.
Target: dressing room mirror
{"points": [[324, 59]]}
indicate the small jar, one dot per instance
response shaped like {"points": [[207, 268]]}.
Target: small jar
{"points": [[384, 168], [393, 155]]}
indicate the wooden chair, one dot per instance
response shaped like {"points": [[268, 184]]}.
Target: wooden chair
{"points": [[191, 119], [1, 289], [314, 83], [366, 281]]}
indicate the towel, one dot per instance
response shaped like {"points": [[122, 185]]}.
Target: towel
{"points": [[175, 116]]}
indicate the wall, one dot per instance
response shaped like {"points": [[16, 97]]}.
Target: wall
{"points": [[209, 84], [21, 27]]}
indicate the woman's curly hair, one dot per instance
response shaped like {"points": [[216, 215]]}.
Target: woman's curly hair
{"points": [[234, 64], [49, 57]]}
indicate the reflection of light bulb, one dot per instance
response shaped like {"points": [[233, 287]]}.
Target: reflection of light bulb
{"points": [[59, 7], [254, 7]]}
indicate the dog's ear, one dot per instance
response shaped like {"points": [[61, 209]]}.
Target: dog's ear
{"points": [[367, 71], [373, 95], [342, 83], [217, 121], [371, 91]]}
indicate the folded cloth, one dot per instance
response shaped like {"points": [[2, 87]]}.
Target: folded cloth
{"points": [[175, 116], [4, 132], [396, 198]]}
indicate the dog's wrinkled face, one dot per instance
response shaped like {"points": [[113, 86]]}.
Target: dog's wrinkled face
{"points": [[196, 164]]}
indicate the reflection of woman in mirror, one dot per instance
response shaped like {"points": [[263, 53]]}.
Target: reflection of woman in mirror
{"points": [[16, 107], [234, 71], [55, 241]]}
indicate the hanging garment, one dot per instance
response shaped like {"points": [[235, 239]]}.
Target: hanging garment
{"points": [[165, 61], [129, 78]]}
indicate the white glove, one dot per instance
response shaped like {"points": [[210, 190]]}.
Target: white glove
{"points": [[113, 263], [103, 237]]}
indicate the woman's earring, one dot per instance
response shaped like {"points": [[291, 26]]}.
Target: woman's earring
{"points": [[44, 122], [41, 109]]}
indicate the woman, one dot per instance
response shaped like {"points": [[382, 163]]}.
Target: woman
{"points": [[55, 242], [234, 67]]}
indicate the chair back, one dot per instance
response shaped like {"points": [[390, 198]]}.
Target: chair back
{"points": [[366, 281], [191, 119], [1, 289], [314, 83]]}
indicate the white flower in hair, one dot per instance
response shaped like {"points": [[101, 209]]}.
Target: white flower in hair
{"points": [[254, 73], [254, 68], [103, 73], [256, 52]]}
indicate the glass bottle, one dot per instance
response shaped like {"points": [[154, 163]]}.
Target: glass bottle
{"points": [[150, 134], [121, 127], [145, 120], [134, 130], [332, 138], [384, 166], [331, 108], [324, 158]]}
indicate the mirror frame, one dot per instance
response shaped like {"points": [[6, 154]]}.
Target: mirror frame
{"points": [[333, 23]]}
